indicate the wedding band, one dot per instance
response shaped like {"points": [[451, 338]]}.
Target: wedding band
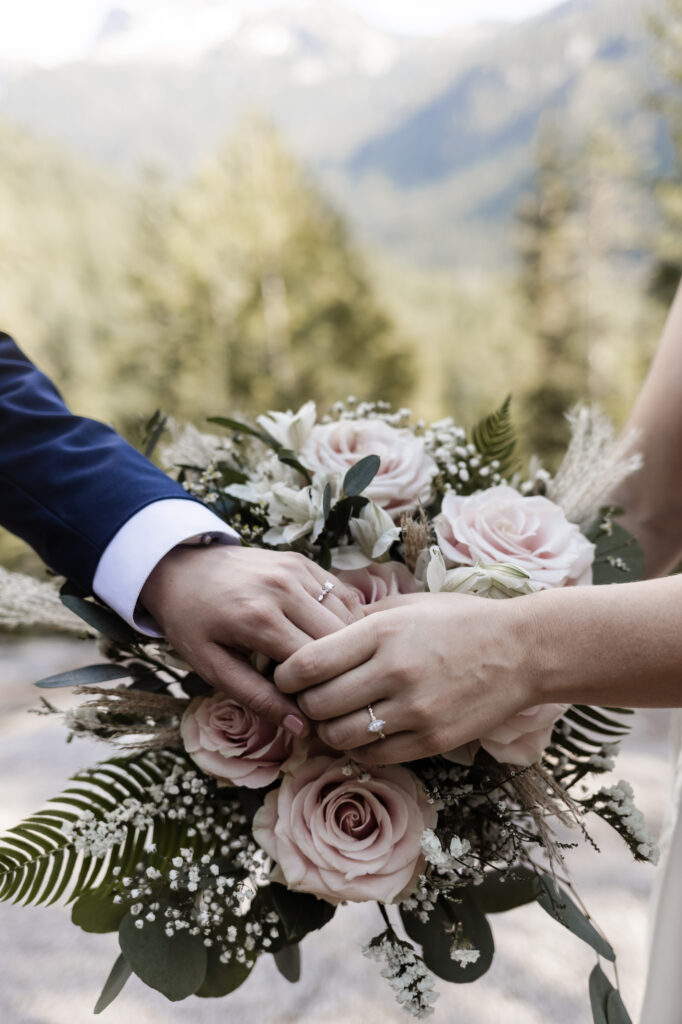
{"points": [[376, 725], [326, 589]]}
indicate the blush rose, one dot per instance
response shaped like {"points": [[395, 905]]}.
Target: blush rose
{"points": [[520, 740], [406, 471], [232, 744], [342, 839], [378, 581], [501, 525]]}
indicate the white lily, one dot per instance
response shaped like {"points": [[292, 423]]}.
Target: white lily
{"points": [[373, 532], [291, 429], [294, 513], [495, 581]]}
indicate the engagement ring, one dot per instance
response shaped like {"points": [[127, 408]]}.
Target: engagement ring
{"points": [[326, 589], [376, 725]]}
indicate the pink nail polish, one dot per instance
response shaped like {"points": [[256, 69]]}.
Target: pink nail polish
{"points": [[294, 724]]}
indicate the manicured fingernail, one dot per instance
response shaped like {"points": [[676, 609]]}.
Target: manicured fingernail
{"points": [[294, 724]]}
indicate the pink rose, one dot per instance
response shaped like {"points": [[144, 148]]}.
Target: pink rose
{"points": [[501, 525], [342, 839], [406, 471], [520, 740], [234, 745], [379, 581]]}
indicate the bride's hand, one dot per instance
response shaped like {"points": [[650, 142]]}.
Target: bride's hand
{"points": [[439, 669]]}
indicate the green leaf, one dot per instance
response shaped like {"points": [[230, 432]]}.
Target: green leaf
{"points": [[361, 475], [101, 619], [244, 428], [175, 966], [120, 973], [326, 501], [195, 686], [600, 986], [495, 439], [98, 914], [615, 1009], [560, 906], [611, 547], [299, 912], [497, 893], [435, 938], [86, 676], [288, 960], [289, 458], [221, 979], [153, 431]]}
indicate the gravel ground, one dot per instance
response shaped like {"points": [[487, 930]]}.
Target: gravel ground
{"points": [[52, 973]]}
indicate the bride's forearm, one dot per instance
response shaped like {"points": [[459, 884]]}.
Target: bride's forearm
{"points": [[610, 645]]}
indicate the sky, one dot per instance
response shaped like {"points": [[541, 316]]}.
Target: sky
{"points": [[54, 31]]}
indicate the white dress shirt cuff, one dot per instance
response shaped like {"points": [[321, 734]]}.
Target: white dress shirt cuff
{"points": [[139, 546]]}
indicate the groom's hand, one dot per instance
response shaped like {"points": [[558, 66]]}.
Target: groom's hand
{"points": [[216, 605]]}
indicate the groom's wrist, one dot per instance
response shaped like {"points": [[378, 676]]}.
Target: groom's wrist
{"points": [[141, 544]]}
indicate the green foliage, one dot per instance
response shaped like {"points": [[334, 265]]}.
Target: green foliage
{"points": [[247, 280], [360, 476], [174, 965], [118, 976], [221, 979], [501, 892], [288, 961], [86, 676], [619, 557], [495, 438], [463, 917], [40, 864], [561, 907], [606, 1002]]}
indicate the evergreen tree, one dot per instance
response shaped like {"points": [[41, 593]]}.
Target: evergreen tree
{"points": [[547, 236], [249, 294], [666, 32]]}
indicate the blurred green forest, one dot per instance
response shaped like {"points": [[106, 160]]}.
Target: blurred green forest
{"points": [[240, 287]]}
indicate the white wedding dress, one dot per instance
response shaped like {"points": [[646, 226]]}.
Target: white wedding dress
{"points": [[663, 994]]}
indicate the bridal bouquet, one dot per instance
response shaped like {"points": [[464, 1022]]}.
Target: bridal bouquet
{"points": [[212, 838]]}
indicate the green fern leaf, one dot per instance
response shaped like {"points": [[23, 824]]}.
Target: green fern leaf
{"points": [[38, 860], [495, 438]]}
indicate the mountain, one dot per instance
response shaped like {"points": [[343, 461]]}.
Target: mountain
{"points": [[425, 143]]}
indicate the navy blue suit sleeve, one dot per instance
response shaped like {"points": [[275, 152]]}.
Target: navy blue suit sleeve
{"points": [[67, 484]]}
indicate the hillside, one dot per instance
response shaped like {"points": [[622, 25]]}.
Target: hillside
{"points": [[425, 143]]}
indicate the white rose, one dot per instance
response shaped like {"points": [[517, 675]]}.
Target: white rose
{"points": [[406, 471], [501, 525]]}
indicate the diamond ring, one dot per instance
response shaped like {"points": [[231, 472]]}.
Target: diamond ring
{"points": [[376, 725], [326, 589]]}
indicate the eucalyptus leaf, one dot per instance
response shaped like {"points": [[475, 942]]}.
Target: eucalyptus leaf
{"points": [[561, 907], [435, 938], [98, 914], [101, 619], [86, 676], [175, 966], [288, 961], [118, 976], [244, 428], [361, 475], [154, 429], [289, 458], [612, 548], [498, 893], [195, 686], [326, 501], [615, 1009], [221, 979], [600, 986], [299, 912]]}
